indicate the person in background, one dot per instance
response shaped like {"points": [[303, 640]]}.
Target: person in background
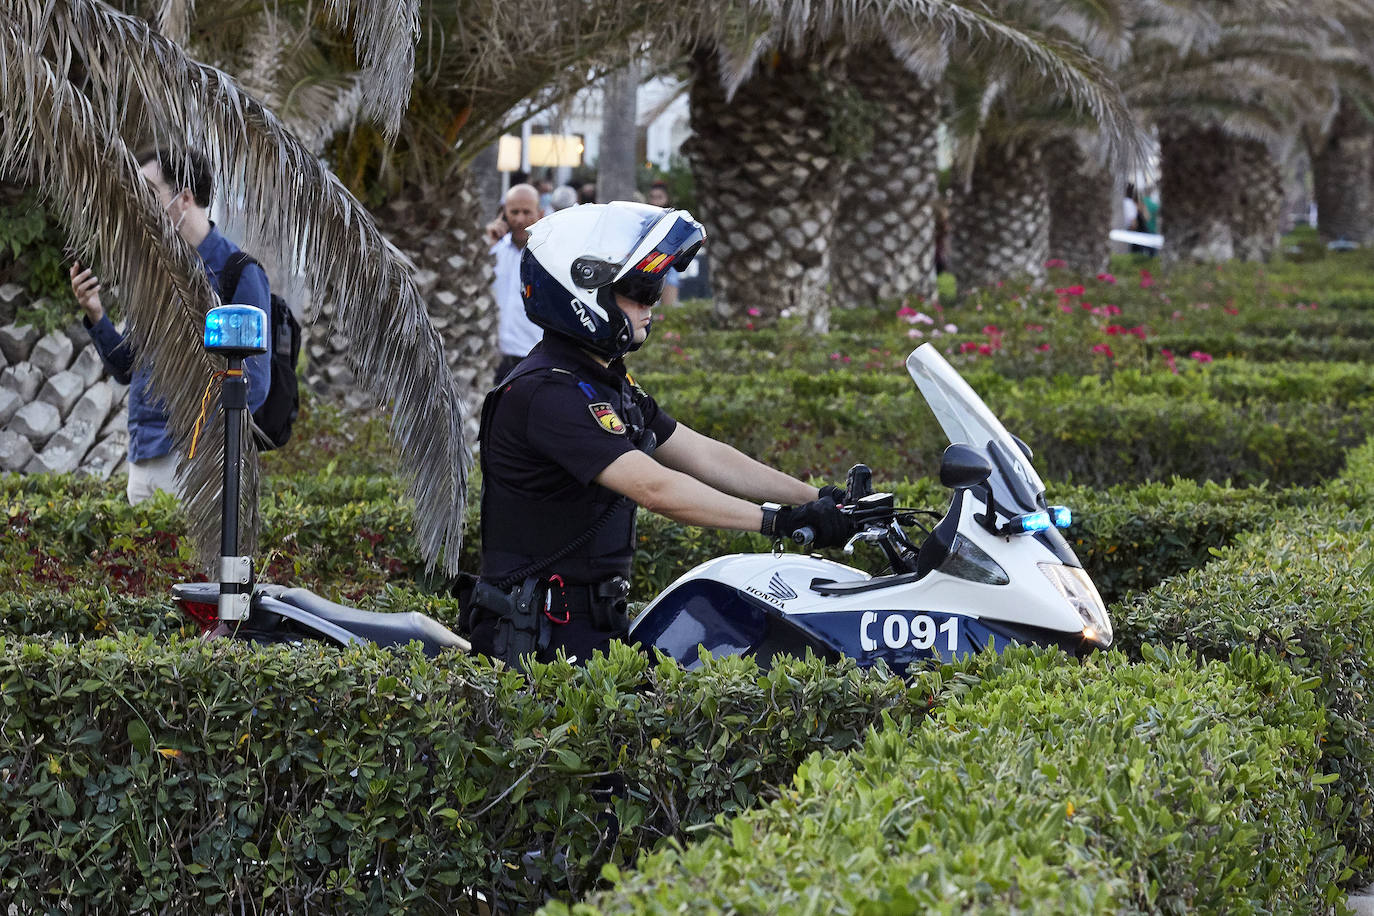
{"points": [[562, 198], [516, 335], [184, 187]]}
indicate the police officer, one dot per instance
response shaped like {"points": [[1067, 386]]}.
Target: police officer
{"points": [[570, 445]]}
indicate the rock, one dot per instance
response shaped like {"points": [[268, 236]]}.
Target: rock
{"points": [[53, 353], [23, 379], [118, 423], [62, 391], [424, 281], [105, 458], [11, 293], [445, 298], [57, 458], [81, 338], [15, 451], [339, 375], [88, 366], [36, 421], [10, 402], [77, 437], [17, 340], [94, 406]]}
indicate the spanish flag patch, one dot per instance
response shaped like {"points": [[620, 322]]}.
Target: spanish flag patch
{"points": [[605, 415]]}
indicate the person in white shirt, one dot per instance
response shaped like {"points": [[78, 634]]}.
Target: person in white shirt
{"points": [[516, 335]]}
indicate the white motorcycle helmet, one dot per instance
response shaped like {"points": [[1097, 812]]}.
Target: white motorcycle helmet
{"points": [[577, 259]]}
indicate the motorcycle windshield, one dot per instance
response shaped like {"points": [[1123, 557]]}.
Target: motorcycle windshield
{"points": [[966, 419]]}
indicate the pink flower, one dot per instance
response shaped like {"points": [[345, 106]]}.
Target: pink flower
{"points": [[1035, 328], [992, 330], [1043, 348], [754, 313], [1104, 350], [1169, 359], [1056, 262], [1114, 329], [951, 329], [1110, 309], [1200, 356], [967, 346], [1231, 310], [905, 311], [1137, 331], [834, 356], [1070, 290], [749, 326], [914, 333], [985, 349], [1147, 279], [1106, 278]]}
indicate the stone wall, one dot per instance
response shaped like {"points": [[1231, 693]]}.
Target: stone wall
{"points": [[58, 411]]}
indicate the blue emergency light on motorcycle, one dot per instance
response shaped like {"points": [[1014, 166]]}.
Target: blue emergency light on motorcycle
{"points": [[236, 330], [1044, 519]]}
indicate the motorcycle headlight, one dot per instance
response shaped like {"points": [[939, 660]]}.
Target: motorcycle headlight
{"points": [[967, 560], [1078, 590]]}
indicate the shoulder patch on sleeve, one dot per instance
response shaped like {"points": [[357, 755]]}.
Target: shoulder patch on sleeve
{"points": [[605, 415]]}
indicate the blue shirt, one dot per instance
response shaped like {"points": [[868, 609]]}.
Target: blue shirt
{"points": [[149, 436]]}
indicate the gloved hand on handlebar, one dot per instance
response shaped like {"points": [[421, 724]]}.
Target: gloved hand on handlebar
{"points": [[831, 527], [836, 493]]}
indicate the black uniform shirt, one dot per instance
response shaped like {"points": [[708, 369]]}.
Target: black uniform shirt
{"points": [[573, 429]]}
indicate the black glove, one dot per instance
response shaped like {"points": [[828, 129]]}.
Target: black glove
{"points": [[836, 493], [831, 526]]}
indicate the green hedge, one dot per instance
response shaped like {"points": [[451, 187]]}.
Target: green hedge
{"points": [[1087, 431], [138, 774], [351, 539], [1049, 786], [1299, 588]]}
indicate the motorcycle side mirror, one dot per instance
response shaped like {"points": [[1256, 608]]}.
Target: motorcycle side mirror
{"points": [[964, 466]]}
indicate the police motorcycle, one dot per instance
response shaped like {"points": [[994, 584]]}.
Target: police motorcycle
{"points": [[993, 571]]}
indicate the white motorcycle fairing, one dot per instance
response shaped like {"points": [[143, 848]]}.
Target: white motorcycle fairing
{"points": [[971, 587]]}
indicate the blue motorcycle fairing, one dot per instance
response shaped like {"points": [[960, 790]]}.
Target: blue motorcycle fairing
{"points": [[704, 613]]}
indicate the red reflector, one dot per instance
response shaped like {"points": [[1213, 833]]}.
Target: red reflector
{"points": [[205, 615]]}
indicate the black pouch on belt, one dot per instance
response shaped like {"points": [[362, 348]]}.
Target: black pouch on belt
{"points": [[608, 605]]}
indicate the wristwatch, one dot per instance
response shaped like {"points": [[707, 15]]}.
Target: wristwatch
{"points": [[770, 518]]}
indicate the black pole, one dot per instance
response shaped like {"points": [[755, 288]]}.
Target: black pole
{"points": [[234, 400]]}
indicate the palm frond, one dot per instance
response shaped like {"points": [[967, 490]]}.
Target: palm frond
{"points": [[91, 181], [293, 204]]}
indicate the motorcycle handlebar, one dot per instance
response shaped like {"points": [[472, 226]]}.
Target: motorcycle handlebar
{"points": [[804, 535]]}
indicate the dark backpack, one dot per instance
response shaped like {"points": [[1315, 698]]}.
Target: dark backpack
{"points": [[274, 418]]}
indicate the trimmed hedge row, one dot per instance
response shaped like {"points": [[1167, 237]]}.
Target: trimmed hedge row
{"points": [[75, 534], [137, 774], [1298, 589], [1087, 431], [1047, 786]]}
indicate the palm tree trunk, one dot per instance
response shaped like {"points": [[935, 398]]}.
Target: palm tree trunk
{"points": [[885, 228], [1343, 178], [1083, 202], [1198, 193], [999, 219], [1259, 200], [440, 229], [616, 163], [767, 185]]}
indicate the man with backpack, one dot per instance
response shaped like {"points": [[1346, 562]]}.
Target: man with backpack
{"points": [[183, 186]]}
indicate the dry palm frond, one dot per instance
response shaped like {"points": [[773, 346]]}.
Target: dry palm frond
{"points": [[295, 205], [91, 181]]}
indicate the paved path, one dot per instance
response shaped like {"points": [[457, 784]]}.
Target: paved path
{"points": [[1362, 902]]}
